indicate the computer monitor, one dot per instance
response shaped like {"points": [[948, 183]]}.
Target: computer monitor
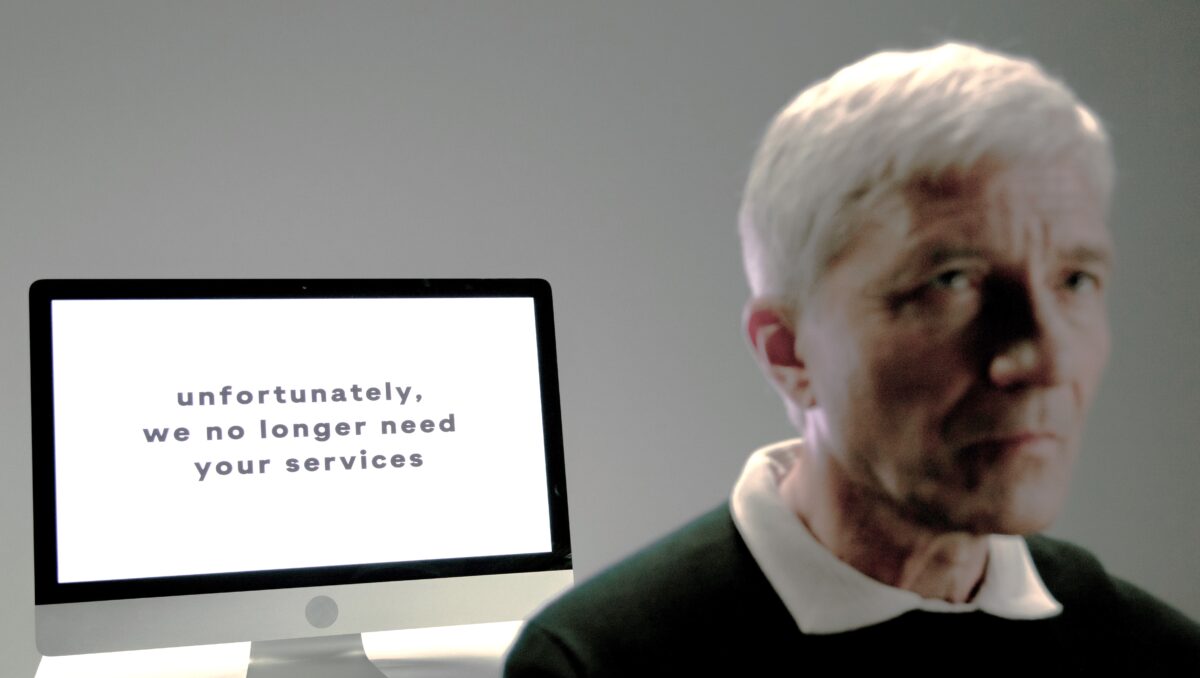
{"points": [[230, 460]]}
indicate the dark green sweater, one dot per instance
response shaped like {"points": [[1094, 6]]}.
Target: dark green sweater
{"points": [[696, 604]]}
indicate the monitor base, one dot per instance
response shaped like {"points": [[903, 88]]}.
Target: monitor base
{"points": [[318, 657]]}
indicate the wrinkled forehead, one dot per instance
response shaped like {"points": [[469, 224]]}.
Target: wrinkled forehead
{"points": [[1032, 208]]}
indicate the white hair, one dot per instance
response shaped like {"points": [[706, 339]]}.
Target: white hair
{"points": [[876, 126]]}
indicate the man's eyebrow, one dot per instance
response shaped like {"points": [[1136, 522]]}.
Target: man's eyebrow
{"points": [[1088, 254], [941, 253], [924, 256]]}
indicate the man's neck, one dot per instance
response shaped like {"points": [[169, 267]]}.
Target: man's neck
{"points": [[865, 534]]}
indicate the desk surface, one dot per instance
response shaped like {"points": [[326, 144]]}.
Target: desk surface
{"points": [[459, 651]]}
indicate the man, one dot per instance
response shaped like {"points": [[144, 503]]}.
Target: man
{"points": [[925, 239]]}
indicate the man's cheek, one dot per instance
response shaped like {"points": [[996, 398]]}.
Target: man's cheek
{"points": [[913, 372]]}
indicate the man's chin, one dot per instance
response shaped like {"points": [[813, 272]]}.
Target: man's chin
{"points": [[1017, 505], [1012, 489], [1025, 510], [1020, 524]]}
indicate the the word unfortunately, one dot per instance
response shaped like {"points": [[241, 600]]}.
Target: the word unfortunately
{"points": [[282, 396]]}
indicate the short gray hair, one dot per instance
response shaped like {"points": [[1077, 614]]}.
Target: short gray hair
{"points": [[876, 126]]}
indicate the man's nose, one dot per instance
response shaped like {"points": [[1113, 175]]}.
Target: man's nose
{"points": [[1028, 346]]}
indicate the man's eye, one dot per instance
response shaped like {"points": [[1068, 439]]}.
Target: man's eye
{"points": [[954, 279], [950, 289], [1081, 281]]}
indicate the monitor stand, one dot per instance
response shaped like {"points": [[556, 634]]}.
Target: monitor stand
{"points": [[318, 657]]}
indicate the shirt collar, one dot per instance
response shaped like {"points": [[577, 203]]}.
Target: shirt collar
{"points": [[825, 595]]}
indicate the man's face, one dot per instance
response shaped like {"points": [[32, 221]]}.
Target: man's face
{"points": [[954, 348]]}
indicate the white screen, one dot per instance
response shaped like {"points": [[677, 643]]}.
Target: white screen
{"points": [[135, 501]]}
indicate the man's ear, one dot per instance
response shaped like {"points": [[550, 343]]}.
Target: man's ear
{"points": [[770, 330]]}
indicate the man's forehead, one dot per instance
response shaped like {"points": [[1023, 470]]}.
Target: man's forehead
{"points": [[1044, 209]]}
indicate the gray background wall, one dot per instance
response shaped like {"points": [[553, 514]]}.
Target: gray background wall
{"points": [[601, 145]]}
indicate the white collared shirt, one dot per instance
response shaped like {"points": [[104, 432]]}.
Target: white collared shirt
{"points": [[825, 595]]}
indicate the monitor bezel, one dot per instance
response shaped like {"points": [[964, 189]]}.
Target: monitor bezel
{"points": [[42, 293]]}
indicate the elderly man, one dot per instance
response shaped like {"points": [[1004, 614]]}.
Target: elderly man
{"points": [[925, 239]]}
